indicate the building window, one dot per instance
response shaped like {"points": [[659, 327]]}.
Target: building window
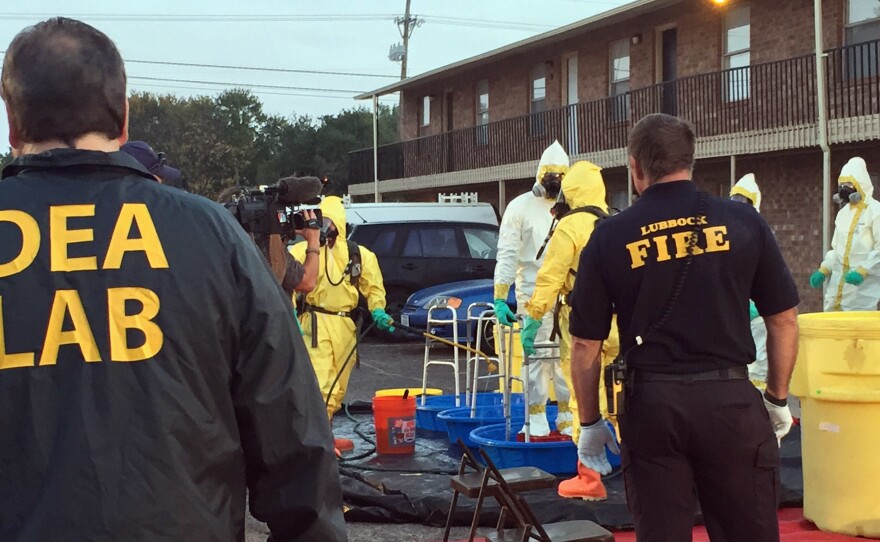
{"points": [[861, 35], [482, 108], [538, 103], [426, 111], [737, 58], [619, 80]]}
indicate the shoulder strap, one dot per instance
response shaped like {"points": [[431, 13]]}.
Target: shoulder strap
{"points": [[592, 209], [354, 262]]}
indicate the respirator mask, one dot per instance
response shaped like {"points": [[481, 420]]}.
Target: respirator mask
{"points": [[549, 186], [742, 199], [328, 233], [847, 193]]}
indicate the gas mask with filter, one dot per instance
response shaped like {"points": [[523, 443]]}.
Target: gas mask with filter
{"points": [[328, 232], [846, 193], [549, 186], [742, 199]]}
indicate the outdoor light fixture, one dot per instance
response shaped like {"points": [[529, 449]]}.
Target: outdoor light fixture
{"points": [[636, 39], [719, 2]]}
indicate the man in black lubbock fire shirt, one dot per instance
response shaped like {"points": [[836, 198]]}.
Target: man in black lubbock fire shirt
{"points": [[150, 367], [691, 418]]}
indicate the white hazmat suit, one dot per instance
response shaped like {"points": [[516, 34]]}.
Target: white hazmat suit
{"points": [[524, 227], [852, 266], [748, 188]]}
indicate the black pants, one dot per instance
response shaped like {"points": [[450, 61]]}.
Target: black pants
{"points": [[710, 441]]}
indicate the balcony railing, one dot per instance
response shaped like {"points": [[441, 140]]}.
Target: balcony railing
{"points": [[761, 97]]}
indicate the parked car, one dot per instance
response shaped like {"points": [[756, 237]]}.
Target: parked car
{"points": [[458, 295], [425, 244]]}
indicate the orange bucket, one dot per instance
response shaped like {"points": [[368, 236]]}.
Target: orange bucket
{"points": [[395, 420]]}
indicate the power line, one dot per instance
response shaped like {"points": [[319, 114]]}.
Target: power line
{"points": [[258, 92], [487, 22], [259, 69], [231, 18], [491, 26], [252, 68], [243, 85]]}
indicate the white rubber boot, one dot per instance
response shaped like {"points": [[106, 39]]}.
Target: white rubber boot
{"points": [[538, 426], [564, 419]]}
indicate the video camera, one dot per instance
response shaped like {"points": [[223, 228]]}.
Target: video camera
{"points": [[277, 209]]}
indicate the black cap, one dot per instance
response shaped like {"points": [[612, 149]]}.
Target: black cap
{"points": [[153, 161]]}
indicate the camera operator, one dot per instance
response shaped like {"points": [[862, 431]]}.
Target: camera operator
{"points": [[301, 277], [151, 373], [292, 275]]}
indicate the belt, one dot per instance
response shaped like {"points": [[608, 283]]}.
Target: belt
{"points": [[734, 373], [313, 308]]}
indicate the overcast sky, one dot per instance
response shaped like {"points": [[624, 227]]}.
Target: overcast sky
{"points": [[350, 36]]}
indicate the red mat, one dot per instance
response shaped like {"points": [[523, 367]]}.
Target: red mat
{"points": [[792, 528]]}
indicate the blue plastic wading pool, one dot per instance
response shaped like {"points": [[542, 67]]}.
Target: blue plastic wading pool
{"points": [[459, 423], [426, 415], [559, 458]]}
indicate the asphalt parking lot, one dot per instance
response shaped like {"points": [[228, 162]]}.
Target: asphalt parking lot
{"points": [[388, 365]]}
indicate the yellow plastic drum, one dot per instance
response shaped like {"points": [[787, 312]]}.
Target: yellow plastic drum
{"points": [[837, 377]]}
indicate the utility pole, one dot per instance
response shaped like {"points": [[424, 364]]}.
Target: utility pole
{"points": [[406, 24]]}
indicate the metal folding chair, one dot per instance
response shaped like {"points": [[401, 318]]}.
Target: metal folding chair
{"points": [[474, 482], [528, 526]]}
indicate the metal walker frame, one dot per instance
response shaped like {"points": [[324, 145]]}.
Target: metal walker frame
{"points": [[505, 343]]}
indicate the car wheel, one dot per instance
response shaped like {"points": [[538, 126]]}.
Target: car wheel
{"points": [[488, 340]]}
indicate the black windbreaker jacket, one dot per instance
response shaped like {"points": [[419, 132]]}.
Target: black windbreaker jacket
{"points": [[150, 367]]}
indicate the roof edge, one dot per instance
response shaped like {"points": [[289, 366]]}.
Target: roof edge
{"points": [[584, 24]]}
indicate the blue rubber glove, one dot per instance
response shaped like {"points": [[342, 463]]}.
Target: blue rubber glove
{"points": [[817, 279], [383, 320], [503, 313], [753, 311], [528, 334], [854, 277]]}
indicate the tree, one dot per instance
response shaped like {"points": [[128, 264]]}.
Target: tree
{"points": [[215, 142], [228, 139], [5, 159]]}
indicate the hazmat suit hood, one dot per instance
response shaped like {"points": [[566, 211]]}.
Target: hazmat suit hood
{"points": [[553, 160], [748, 187], [583, 185], [333, 209], [856, 172]]}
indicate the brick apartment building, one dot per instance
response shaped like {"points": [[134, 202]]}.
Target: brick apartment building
{"points": [[743, 72]]}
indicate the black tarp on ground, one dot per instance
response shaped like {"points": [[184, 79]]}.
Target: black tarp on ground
{"points": [[415, 489]]}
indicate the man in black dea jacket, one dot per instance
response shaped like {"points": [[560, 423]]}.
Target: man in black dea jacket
{"points": [[147, 378]]}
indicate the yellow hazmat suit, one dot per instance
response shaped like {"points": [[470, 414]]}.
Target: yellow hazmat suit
{"points": [[333, 336], [582, 186]]}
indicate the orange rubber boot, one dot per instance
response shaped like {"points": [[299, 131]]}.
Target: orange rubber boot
{"points": [[587, 485], [343, 444]]}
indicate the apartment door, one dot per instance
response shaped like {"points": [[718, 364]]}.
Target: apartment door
{"points": [[570, 65], [447, 135], [669, 71]]}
